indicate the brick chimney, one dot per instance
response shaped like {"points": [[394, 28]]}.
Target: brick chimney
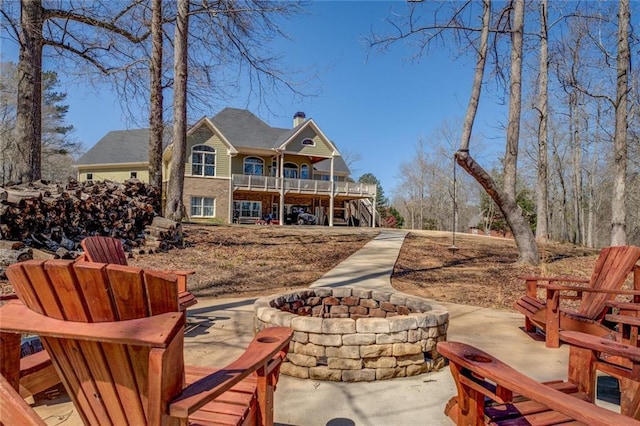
{"points": [[298, 118]]}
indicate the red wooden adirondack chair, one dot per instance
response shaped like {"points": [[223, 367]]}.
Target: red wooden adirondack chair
{"points": [[109, 250], [550, 315], [115, 336], [491, 392]]}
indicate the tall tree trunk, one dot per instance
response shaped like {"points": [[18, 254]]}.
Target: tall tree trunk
{"points": [[576, 161], [29, 104], [156, 121], [175, 207], [618, 209], [505, 199], [542, 200]]}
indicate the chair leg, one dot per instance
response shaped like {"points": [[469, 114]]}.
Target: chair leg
{"points": [[529, 327], [10, 358]]}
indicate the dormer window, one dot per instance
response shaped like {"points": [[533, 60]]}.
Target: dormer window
{"points": [[308, 142]]}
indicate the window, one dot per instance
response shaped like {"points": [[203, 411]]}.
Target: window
{"points": [[291, 170], [133, 175], [324, 177], [308, 142], [202, 207], [253, 166], [304, 171], [203, 161], [248, 208], [89, 176]]}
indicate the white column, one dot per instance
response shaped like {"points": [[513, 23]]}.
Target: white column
{"points": [[373, 212], [331, 194], [230, 187], [281, 180]]}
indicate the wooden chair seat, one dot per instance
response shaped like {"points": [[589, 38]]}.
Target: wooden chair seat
{"points": [[613, 267], [491, 392], [109, 250], [115, 336]]}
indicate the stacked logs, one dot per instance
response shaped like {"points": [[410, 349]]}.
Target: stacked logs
{"points": [[52, 216]]}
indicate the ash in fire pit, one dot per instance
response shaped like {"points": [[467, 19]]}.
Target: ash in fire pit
{"points": [[354, 334]]}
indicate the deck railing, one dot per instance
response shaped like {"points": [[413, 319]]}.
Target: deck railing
{"points": [[302, 186]]}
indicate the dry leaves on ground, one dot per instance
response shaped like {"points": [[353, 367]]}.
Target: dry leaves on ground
{"points": [[248, 260], [483, 271]]}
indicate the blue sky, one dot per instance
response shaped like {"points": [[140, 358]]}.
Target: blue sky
{"points": [[372, 105]]}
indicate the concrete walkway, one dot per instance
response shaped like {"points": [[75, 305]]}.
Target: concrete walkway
{"points": [[227, 328]]}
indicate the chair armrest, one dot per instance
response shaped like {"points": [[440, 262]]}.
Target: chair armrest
{"points": [[261, 351], [484, 366], [590, 290], [589, 341], [155, 331], [623, 306]]}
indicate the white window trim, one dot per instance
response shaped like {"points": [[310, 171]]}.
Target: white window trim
{"points": [[204, 165], [284, 169], [302, 142], [259, 210], [202, 198], [308, 171], [244, 164]]}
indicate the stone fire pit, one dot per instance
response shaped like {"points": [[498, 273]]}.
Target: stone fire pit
{"points": [[353, 334]]}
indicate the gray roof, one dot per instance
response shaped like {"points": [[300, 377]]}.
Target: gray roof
{"points": [[121, 146], [339, 166], [244, 130], [240, 127]]}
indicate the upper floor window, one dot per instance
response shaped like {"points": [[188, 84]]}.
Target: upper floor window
{"points": [[291, 170], [253, 166], [308, 142], [203, 160], [89, 176], [304, 171], [133, 175]]}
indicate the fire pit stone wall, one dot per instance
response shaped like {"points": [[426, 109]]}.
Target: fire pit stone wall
{"points": [[354, 334]]}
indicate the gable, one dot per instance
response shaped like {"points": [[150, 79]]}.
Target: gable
{"points": [[309, 131]]}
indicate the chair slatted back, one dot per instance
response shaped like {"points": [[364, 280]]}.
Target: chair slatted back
{"points": [[612, 268], [104, 250], [108, 382]]}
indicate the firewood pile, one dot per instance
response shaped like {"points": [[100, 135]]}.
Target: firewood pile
{"points": [[54, 218]]}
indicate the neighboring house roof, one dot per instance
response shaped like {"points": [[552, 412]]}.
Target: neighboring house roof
{"points": [[121, 146], [240, 128]]}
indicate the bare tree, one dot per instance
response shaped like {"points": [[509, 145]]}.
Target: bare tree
{"points": [[93, 33], [542, 200], [618, 208], [511, 21], [29, 109], [156, 102], [174, 208]]}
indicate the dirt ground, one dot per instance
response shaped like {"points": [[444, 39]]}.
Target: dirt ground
{"points": [[254, 260], [250, 260], [483, 271]]}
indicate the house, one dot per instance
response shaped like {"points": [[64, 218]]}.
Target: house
{"points": [[240, 169]]}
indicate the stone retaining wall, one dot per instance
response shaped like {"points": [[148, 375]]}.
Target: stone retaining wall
{"points": [[356, 334]]}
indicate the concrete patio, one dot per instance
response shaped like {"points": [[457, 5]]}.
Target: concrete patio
{"points": [[226, 327]]}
